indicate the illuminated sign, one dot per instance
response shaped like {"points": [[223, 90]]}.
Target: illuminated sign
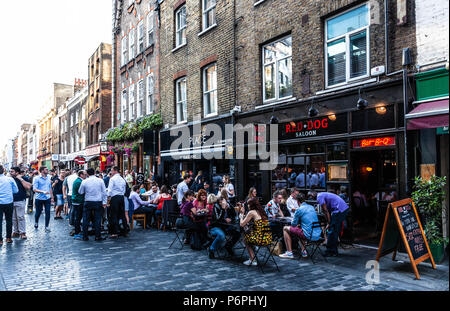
{"points": [[322, 126], [374, 142]]}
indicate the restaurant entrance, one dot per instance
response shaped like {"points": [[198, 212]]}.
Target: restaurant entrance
{"points": [[374, 185]]}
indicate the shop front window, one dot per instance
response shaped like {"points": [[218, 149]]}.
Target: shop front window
{"points": [[337, 151], [373, 119], [125, 162]]}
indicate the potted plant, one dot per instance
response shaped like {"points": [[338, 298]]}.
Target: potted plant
{"points": [[429, 196]]}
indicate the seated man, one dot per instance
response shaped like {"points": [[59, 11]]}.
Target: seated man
{"points": [[301, 227], [141, 207], [223, 217], [273, 207]]}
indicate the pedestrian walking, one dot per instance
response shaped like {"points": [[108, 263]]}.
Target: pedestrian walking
{"points": [[67, 193], [116, 197], [78, 204], [94, 191], [8, 188], [31, 198], [23, 184], [42, 186]]}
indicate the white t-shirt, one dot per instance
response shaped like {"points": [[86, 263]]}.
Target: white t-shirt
{"points": [[292, 203], [229, 189], [70, 180]]}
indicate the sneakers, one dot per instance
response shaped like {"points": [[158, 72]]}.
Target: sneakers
{"points": [[47, 229], [15, 235], [36, 226], [287, 255], [249, 262], [23, 236], [78, 237], [304, 253]]}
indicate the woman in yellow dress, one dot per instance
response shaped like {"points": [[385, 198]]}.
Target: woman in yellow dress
{"points": [[259, 234]]}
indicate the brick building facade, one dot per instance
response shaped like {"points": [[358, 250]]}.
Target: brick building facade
{"points": [[197, 75]]}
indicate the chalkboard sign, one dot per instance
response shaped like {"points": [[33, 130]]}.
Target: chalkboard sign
{"points": [[402, 223]]}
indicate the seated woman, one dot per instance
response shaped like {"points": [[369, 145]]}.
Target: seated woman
{"points": [[141, 207], [159, 201], [223, 217], [194, 220], [258, 235], [200, 215]]}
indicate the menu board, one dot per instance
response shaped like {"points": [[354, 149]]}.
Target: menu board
{"points": [[411, 228], [402, 223]]}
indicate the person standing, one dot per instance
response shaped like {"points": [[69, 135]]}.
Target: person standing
{"points": [[335, 210], [42, 186], [57, 186], [116, 195], [78, 204], [230, 190], [106, 179], [67, 192], [94, 191], [32, 175], [23, 184], [129, 178], [8, 188], [183, 187], [300, 180]]}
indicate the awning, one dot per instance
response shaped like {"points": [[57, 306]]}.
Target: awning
{"points": [[91, 158], [431, 114], [186, 154]]}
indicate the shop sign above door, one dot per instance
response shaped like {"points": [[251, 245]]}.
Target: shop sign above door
{"points": [[327, 125], [374, 142]]}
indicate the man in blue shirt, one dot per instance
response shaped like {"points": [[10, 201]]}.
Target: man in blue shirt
{"points": [[42, 186], [301, 227], [300, 180], [335, 210], [23, 184], [8, 188]]}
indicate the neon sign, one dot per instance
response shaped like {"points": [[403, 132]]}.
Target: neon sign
{"points": [[374, 142]]}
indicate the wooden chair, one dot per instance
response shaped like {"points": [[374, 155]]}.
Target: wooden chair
{"points": [[138, 217]]}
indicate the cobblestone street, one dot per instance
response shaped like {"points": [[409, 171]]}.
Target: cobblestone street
{"points": [[54, 261]]}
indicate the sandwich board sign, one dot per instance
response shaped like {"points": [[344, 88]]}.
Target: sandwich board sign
{"points": [[402, 224]]}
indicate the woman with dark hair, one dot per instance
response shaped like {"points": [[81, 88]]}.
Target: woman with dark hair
{"points": [[200, 214], [260, 234], [159, 201]]}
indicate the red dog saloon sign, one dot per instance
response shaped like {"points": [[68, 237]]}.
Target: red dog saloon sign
{"points": [[327, 125]]}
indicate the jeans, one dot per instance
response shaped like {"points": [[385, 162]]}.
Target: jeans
{"points": [[220, 235], [71, 217], [40, 204], [19, 217], [6, 209], [334, 230], [77, 216], [90, 208]]}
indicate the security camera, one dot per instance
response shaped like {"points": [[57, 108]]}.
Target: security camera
{"points": [[236, 109]]}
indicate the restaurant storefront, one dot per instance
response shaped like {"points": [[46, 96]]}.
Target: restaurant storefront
{"points": [[343, 147], [96, 156], [427, 125], [189, 158]]}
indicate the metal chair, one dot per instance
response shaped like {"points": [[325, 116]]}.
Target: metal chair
{"points": [[311, 246], [170, 214], [269, 248]]}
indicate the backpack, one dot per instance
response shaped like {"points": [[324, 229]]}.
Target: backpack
{"points": [[127, 189]]}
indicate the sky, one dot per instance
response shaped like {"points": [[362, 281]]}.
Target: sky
{"points": [[44, 42]]}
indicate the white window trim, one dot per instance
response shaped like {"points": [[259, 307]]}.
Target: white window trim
{"points": [[132, 44], [124, 106], [277, 91], [205, 12], [124, 59], [141, 36], [131, 101], [205, 92], [141, 102], [178, 102], [150, 22], [150, 92], [206, 30], [347, 35], [177, 27]]}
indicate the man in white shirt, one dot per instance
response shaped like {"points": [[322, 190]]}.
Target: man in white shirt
{"points": [[94, 191], [116, 192], [182, 187], [292, 203], [67, 192]]}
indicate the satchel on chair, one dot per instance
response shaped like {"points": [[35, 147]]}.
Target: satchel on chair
{"points": [[278, 249]]}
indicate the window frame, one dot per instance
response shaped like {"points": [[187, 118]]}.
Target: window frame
{"points": [[206, 92], [150, 30], [141, 37], [347, 36], [124, 54], [178, 29], [178, 101], [132, 44], [124, 105], [150, 93], [277, 89], [140, 101], [205, 12], [131, 101]]}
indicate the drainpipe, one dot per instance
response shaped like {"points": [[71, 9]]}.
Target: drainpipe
{"points": [[405, 62], [113, 101]]}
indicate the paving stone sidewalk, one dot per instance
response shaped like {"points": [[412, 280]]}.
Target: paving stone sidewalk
{"points": [[142, 262]]}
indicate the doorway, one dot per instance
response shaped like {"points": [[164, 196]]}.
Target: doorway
{"points": [[374, 186]]}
